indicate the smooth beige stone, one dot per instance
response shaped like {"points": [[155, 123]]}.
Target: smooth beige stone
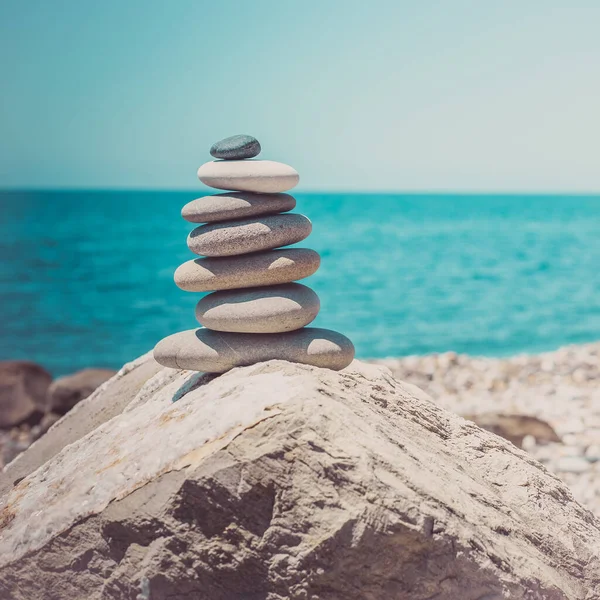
{"points": [[258, 176], [252, 270], [248, 235], [272, 309], [217, 352], [236, 205]]}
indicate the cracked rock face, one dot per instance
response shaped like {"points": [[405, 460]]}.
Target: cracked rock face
{"points": [[280, 481]]}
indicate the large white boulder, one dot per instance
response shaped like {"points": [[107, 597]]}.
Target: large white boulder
{"points": [[280, 481]]}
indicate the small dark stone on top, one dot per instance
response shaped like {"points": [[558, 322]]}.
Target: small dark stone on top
{"points": [[236, 147]]}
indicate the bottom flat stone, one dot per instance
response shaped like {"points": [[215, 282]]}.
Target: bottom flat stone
{"points": [[217, 352]]}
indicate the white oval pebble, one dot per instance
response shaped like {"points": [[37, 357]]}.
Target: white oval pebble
{"points": [[266, 176]]}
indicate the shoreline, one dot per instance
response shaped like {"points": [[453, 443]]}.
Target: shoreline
{"points": [[500, 357]]}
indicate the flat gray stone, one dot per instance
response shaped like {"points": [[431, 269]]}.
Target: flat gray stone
{"points": [[273, 309], [236, 147], [248, 235], [260, 176], [217, 352], [236, 205], [252, 270]]}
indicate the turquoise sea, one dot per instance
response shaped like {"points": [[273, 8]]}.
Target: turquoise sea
{"points": [[86, 277]]}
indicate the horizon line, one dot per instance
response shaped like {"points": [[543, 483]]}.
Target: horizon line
{"points": [[385, 192]]}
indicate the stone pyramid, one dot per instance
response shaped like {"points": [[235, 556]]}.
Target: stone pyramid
{"points": [[256, 312]]}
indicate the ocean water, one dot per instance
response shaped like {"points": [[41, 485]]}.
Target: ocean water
{"points": [[86, 277]]}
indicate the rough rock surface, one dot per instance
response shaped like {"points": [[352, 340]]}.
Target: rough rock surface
{"points": [[23, 387], [286, 481], [65, 392], [560, 388], [105, 403]]}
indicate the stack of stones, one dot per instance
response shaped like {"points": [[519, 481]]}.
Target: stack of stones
{"points": [[256, 312]]}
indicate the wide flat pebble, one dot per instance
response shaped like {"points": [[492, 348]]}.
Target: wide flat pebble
{"points": [[248, 235], [260, 176], [252, 270], [273, 309], [236, 205], [217, 352], [236, 147]]}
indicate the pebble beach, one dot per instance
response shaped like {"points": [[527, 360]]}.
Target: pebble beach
{"points": [[560, 388]]}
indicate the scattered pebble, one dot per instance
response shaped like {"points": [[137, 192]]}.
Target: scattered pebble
{"points": [[572, 464]]}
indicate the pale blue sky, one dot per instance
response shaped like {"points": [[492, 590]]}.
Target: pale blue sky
{"points": [[452, 95]]}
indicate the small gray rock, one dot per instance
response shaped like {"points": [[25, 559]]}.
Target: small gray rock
{"points": [[236, 147]]}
